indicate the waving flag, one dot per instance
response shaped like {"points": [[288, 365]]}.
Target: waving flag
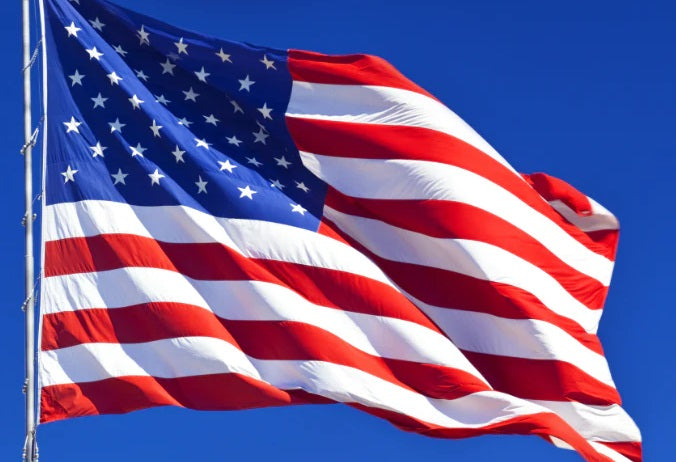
{"points": [[229, 226]]}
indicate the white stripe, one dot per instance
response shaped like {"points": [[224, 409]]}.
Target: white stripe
{"points": [[188, 356], [423, 180], [518, 338], [180, 224], [473, 258], [382, 105], [252, 301], [606, 451], [599, 220]]}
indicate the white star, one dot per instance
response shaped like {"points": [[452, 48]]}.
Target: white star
{"points": [[252, 160], [173, 56], [191, 95], [74, 1], [302, 186], [162, 100], [76, 79], [227, 166], [237, 108], [155, 177], [178, 154], [137, 150], [201, 185], [247, 192], [265, 110], [269, 64], [202, 144], [245, 83], [114, 78], [72, 125], [185, 122], [224, 56], [260, 136], [94, 54], [141, 75], [72, 29], [69, 175], [155, 129], [120, 50], [136, 102], [182, 47], [298, 208], [277, 184], [202, 75], [233, 140], [119, 176], [116, 126], [282, 162], [144, 37], [211, 120], [98, 149], [99, 101], [96, 24], [168, 67]]}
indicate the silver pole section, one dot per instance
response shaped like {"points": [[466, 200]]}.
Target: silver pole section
{"points": [[28, 221]]}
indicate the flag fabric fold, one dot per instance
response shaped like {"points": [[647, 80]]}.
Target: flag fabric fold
{"points": [[229, 226]]}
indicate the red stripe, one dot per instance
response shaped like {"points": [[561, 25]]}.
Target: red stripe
{"points": [[632, 450], [372, 141], [214, 261], [447, 289], [552, 189], [308, 66], [456, 220], [284, 340]]}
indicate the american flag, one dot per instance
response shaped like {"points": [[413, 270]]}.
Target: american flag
{"points": [[229, 226]]}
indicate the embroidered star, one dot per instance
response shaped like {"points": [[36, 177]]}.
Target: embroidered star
{"points": [[184, 122], [211, 120], [298, 208], [247, 192], [227, 166], [119, 176], [245, 83], [72, 30], [155, 129], [136, 102], [178, 154], [98, 149], [260, 136], [269, 64], [277, 184], [96, 24], [224, 56], [282, 162], [237, 108], [202, 144], [144, 37], [265, 110], [155, 177], [252, 160], [182, 47], [302, 186], [116, 126], [141, 75], [99, 101], [233, 140], [162, 100], [202, 75], [191, 95], [168, 67], [120, 50], [137, 150], [69, 175], [94, 54], [114, 78], [76, 79], [72, 125], [201, 185]]}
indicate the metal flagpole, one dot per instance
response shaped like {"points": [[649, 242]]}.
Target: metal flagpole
{"points": [[29, 386]]}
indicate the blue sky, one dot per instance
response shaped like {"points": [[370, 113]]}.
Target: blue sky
{"points": [[583, 91]]}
